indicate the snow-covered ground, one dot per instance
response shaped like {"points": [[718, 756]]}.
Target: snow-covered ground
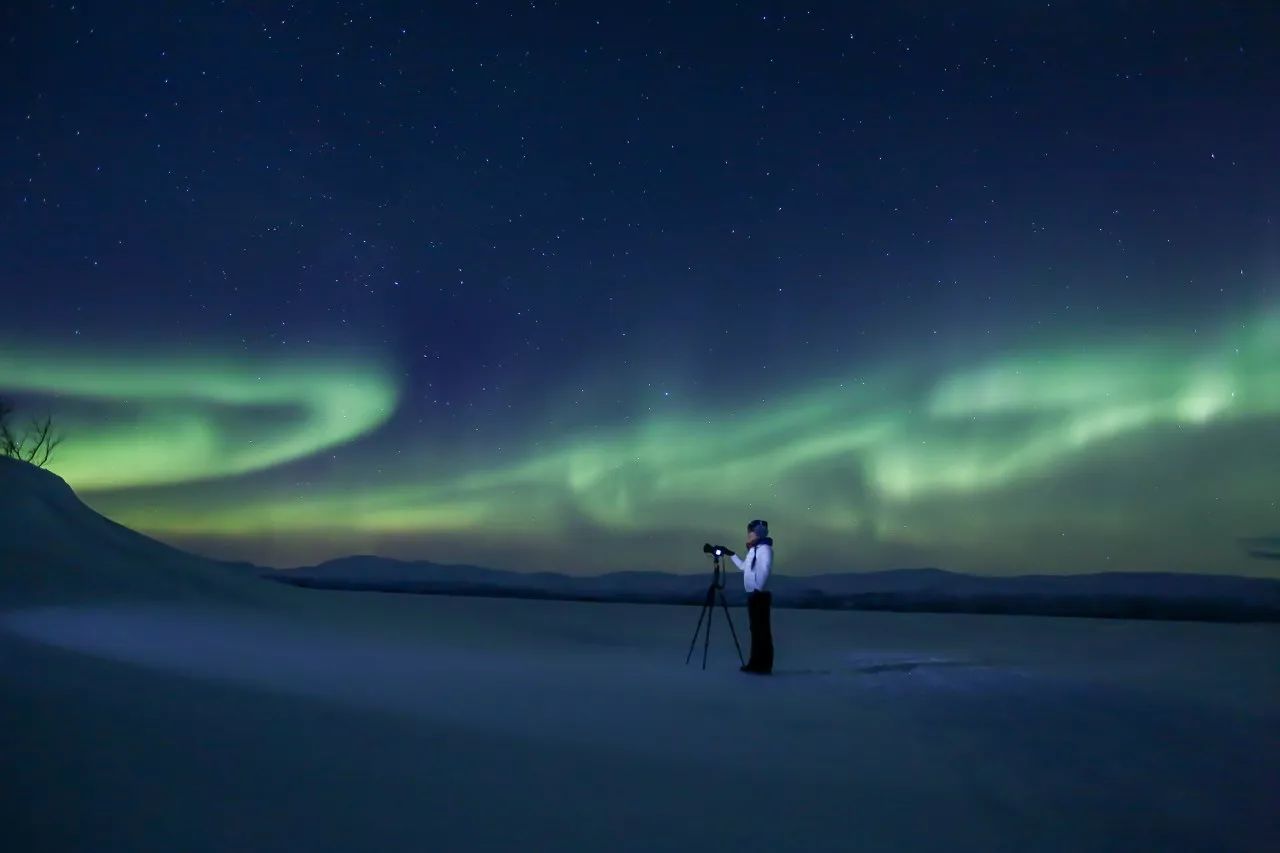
{"points": [[342, 721], [151, 700]]}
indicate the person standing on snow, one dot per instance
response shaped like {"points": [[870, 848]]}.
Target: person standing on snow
{"points": [[755, 568]]}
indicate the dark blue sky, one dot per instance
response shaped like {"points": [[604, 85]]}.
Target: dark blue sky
{"points": [[546, 222]]}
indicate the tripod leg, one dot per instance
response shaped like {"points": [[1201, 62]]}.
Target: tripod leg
{"points": [[711, 611], [725, 605], [694, 641]]}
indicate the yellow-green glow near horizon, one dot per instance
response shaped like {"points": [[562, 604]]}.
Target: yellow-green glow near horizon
{"points": [[906, 457]]}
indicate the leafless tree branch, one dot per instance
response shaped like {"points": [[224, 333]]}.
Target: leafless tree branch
{"points": [[35, 445]]}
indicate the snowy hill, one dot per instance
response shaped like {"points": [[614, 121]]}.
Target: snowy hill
{"points": [[54, 547], [1132, 594]]}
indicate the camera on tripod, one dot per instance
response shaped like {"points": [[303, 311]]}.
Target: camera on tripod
{"points": [[716, 550], [715, 592]]}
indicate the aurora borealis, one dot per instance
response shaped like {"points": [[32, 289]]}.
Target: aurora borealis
{"points": [[551, 288], [174, 419]]}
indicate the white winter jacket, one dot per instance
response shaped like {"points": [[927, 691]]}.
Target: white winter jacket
{"points": [[755, 566]]}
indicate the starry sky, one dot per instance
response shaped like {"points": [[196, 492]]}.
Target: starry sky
{"points": [[993, 287]]}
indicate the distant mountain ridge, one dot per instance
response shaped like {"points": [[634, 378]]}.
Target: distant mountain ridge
{"points": [[1117, 594], [55, 547]]}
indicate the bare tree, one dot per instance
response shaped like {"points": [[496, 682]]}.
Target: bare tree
{"points": [[7, 440], [35, 445]]}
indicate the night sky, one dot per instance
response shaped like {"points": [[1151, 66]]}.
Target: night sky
{"points": [[557, 286]]}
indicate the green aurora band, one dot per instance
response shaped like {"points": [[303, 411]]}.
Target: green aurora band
{"points": [[1154, 453], [191, 417]]}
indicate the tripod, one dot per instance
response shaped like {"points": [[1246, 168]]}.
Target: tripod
{"points": [[716, 589]]}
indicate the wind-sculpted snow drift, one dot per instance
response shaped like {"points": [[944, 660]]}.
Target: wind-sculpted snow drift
{"points": [[55, 548]]}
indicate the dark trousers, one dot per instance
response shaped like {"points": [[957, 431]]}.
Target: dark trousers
{"points": [[758, 604]]}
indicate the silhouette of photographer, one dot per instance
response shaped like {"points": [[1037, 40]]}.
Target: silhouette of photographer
{"points": [[755, 567]]}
